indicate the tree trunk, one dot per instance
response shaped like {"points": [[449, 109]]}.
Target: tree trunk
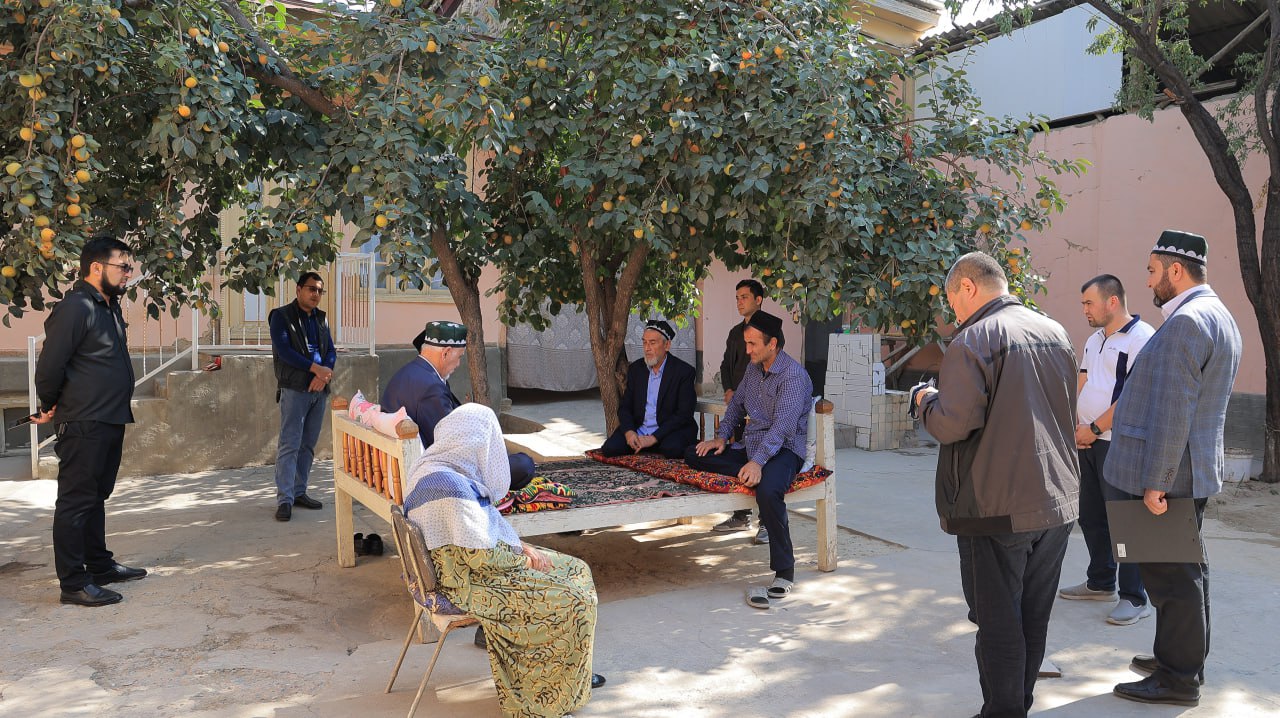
{"points": [[608, 304], [466, 296], [1267, 310]]}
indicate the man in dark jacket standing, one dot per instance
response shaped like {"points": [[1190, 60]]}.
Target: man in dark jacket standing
{"points": [[1008, 474], [304, 356], [84, 380], [656, 411], [748, 296]]}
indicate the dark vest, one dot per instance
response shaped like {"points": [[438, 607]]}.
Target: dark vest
{"points": [[291, 377]]}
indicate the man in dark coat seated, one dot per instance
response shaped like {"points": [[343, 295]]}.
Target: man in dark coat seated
{"points": [[421, 388], [656, 413]]}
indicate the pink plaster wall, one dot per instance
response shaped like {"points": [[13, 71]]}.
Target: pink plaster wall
{"points": [[1145, 177]]}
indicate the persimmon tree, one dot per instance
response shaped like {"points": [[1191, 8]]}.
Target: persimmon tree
{"points": [[651, 138], [150, 117]]}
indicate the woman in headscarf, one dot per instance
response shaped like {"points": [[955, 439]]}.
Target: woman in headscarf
{"points": [[537, 607]]}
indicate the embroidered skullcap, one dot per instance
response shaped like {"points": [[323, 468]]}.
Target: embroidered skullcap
{"points": [[660, 327], [767, 324], [1182, 244], [441, 334]]}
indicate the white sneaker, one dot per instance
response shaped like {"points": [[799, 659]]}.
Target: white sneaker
{"points": [[1127, 613], [1082, 592]]}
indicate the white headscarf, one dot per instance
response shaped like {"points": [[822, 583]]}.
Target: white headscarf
{"points": [[452, 488]]}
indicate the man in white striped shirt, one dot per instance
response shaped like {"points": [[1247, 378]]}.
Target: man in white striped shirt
{"points": [[1109, 354]]}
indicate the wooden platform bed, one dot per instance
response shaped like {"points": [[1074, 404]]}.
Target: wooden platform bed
{"points": [[371, 467]]}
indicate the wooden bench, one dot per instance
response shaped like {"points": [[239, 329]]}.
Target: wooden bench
{"points": [[370, 467]]}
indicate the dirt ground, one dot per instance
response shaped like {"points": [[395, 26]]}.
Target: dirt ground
{"points": [[1248, 506]]}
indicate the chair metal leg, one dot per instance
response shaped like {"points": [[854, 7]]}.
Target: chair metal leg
{"points": [[417, 617], [422, 687]]}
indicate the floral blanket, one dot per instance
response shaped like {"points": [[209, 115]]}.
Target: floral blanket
{"points": [[676, 470]]}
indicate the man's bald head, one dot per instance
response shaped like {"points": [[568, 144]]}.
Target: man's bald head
{"points": [[980, 269], [974, 280]]}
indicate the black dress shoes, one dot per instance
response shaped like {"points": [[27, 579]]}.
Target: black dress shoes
{"points": [[91, 595], [1151, 690], [118, 573], [597, 680], [307, 502], [284, 512], [1146, 665]]}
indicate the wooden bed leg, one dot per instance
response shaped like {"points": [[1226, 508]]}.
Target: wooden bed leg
{"points": [[827, 527], [684, 520], [344, 523]]}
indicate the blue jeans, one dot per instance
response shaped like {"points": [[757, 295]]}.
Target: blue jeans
{"points": [[1094, 493], [1010, 582], [301, 418]]}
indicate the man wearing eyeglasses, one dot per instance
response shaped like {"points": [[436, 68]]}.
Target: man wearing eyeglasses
{"points": [[84, 380], [304, 357]]}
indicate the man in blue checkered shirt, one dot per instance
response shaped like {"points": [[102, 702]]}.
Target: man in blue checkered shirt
{"points": [[777, 394]]}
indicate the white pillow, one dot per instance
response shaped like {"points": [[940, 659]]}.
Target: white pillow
{"points": [[811, 448]]}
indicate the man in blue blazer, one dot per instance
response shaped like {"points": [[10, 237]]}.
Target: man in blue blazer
{"points": [[1166, 442], [656, 412], [422, 388]]}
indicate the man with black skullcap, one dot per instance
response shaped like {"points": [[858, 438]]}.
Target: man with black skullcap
{"points": [[656, 412], [421, 388], [777, 394], [1166, 442]]}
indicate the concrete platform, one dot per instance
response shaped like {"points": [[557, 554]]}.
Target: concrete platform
{"points": [[244, 616]]}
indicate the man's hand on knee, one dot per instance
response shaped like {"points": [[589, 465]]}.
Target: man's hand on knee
{"points": [[750, 474], [714, 446]]}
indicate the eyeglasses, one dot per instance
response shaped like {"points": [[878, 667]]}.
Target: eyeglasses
{"points": [[126, 268], [313, 288]]}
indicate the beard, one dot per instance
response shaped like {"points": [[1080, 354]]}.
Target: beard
{"points": [[1163, 292], [651, 363], [1100, 321], [110, 289]]}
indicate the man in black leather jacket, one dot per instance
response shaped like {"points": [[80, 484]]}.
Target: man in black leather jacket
{"points": [[84, 380]]}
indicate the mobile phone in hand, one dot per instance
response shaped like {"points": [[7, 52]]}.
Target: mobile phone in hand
{"points": [[24, 420]]}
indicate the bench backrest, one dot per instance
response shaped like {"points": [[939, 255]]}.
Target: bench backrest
{"points": [[378, 461]]}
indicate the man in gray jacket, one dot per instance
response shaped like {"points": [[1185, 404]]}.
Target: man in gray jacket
{"points": [[1008, 475], [1167, 441]]}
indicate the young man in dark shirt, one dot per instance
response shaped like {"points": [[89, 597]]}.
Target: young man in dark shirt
{"points": [[84, 380], [749, 295]]}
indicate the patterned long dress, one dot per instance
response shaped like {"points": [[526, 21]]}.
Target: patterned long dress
{"points": [[539, 626]]}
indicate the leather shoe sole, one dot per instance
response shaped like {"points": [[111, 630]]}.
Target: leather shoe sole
{"points": [[307, 502], [91, 595], [119, 573], [1150, 690], [1146, 665]]}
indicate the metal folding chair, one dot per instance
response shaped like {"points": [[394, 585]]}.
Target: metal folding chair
{"points": [[420, 579]]}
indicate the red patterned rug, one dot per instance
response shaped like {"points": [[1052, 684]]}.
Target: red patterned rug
{"points": [[676, 470]]}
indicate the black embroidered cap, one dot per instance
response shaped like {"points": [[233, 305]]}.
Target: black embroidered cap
{"points": [[766, 324], [441, 334], [1182, 244], [661, 327]]}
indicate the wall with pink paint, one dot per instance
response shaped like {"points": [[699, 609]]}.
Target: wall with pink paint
{"points": [[1146, 177]]}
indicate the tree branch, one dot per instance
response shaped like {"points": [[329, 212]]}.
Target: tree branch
{"points": [[284, 79]]}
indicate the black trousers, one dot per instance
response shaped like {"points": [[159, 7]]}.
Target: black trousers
{"points": [[1180, 593], [1103, 574], [776, 477], [671, 446], [1010, 582], [88, 460]]}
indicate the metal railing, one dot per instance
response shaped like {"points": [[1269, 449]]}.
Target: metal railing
{"points": [[353, 323]]}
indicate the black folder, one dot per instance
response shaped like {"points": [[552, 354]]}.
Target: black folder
{"points": [[1139, 536]]}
